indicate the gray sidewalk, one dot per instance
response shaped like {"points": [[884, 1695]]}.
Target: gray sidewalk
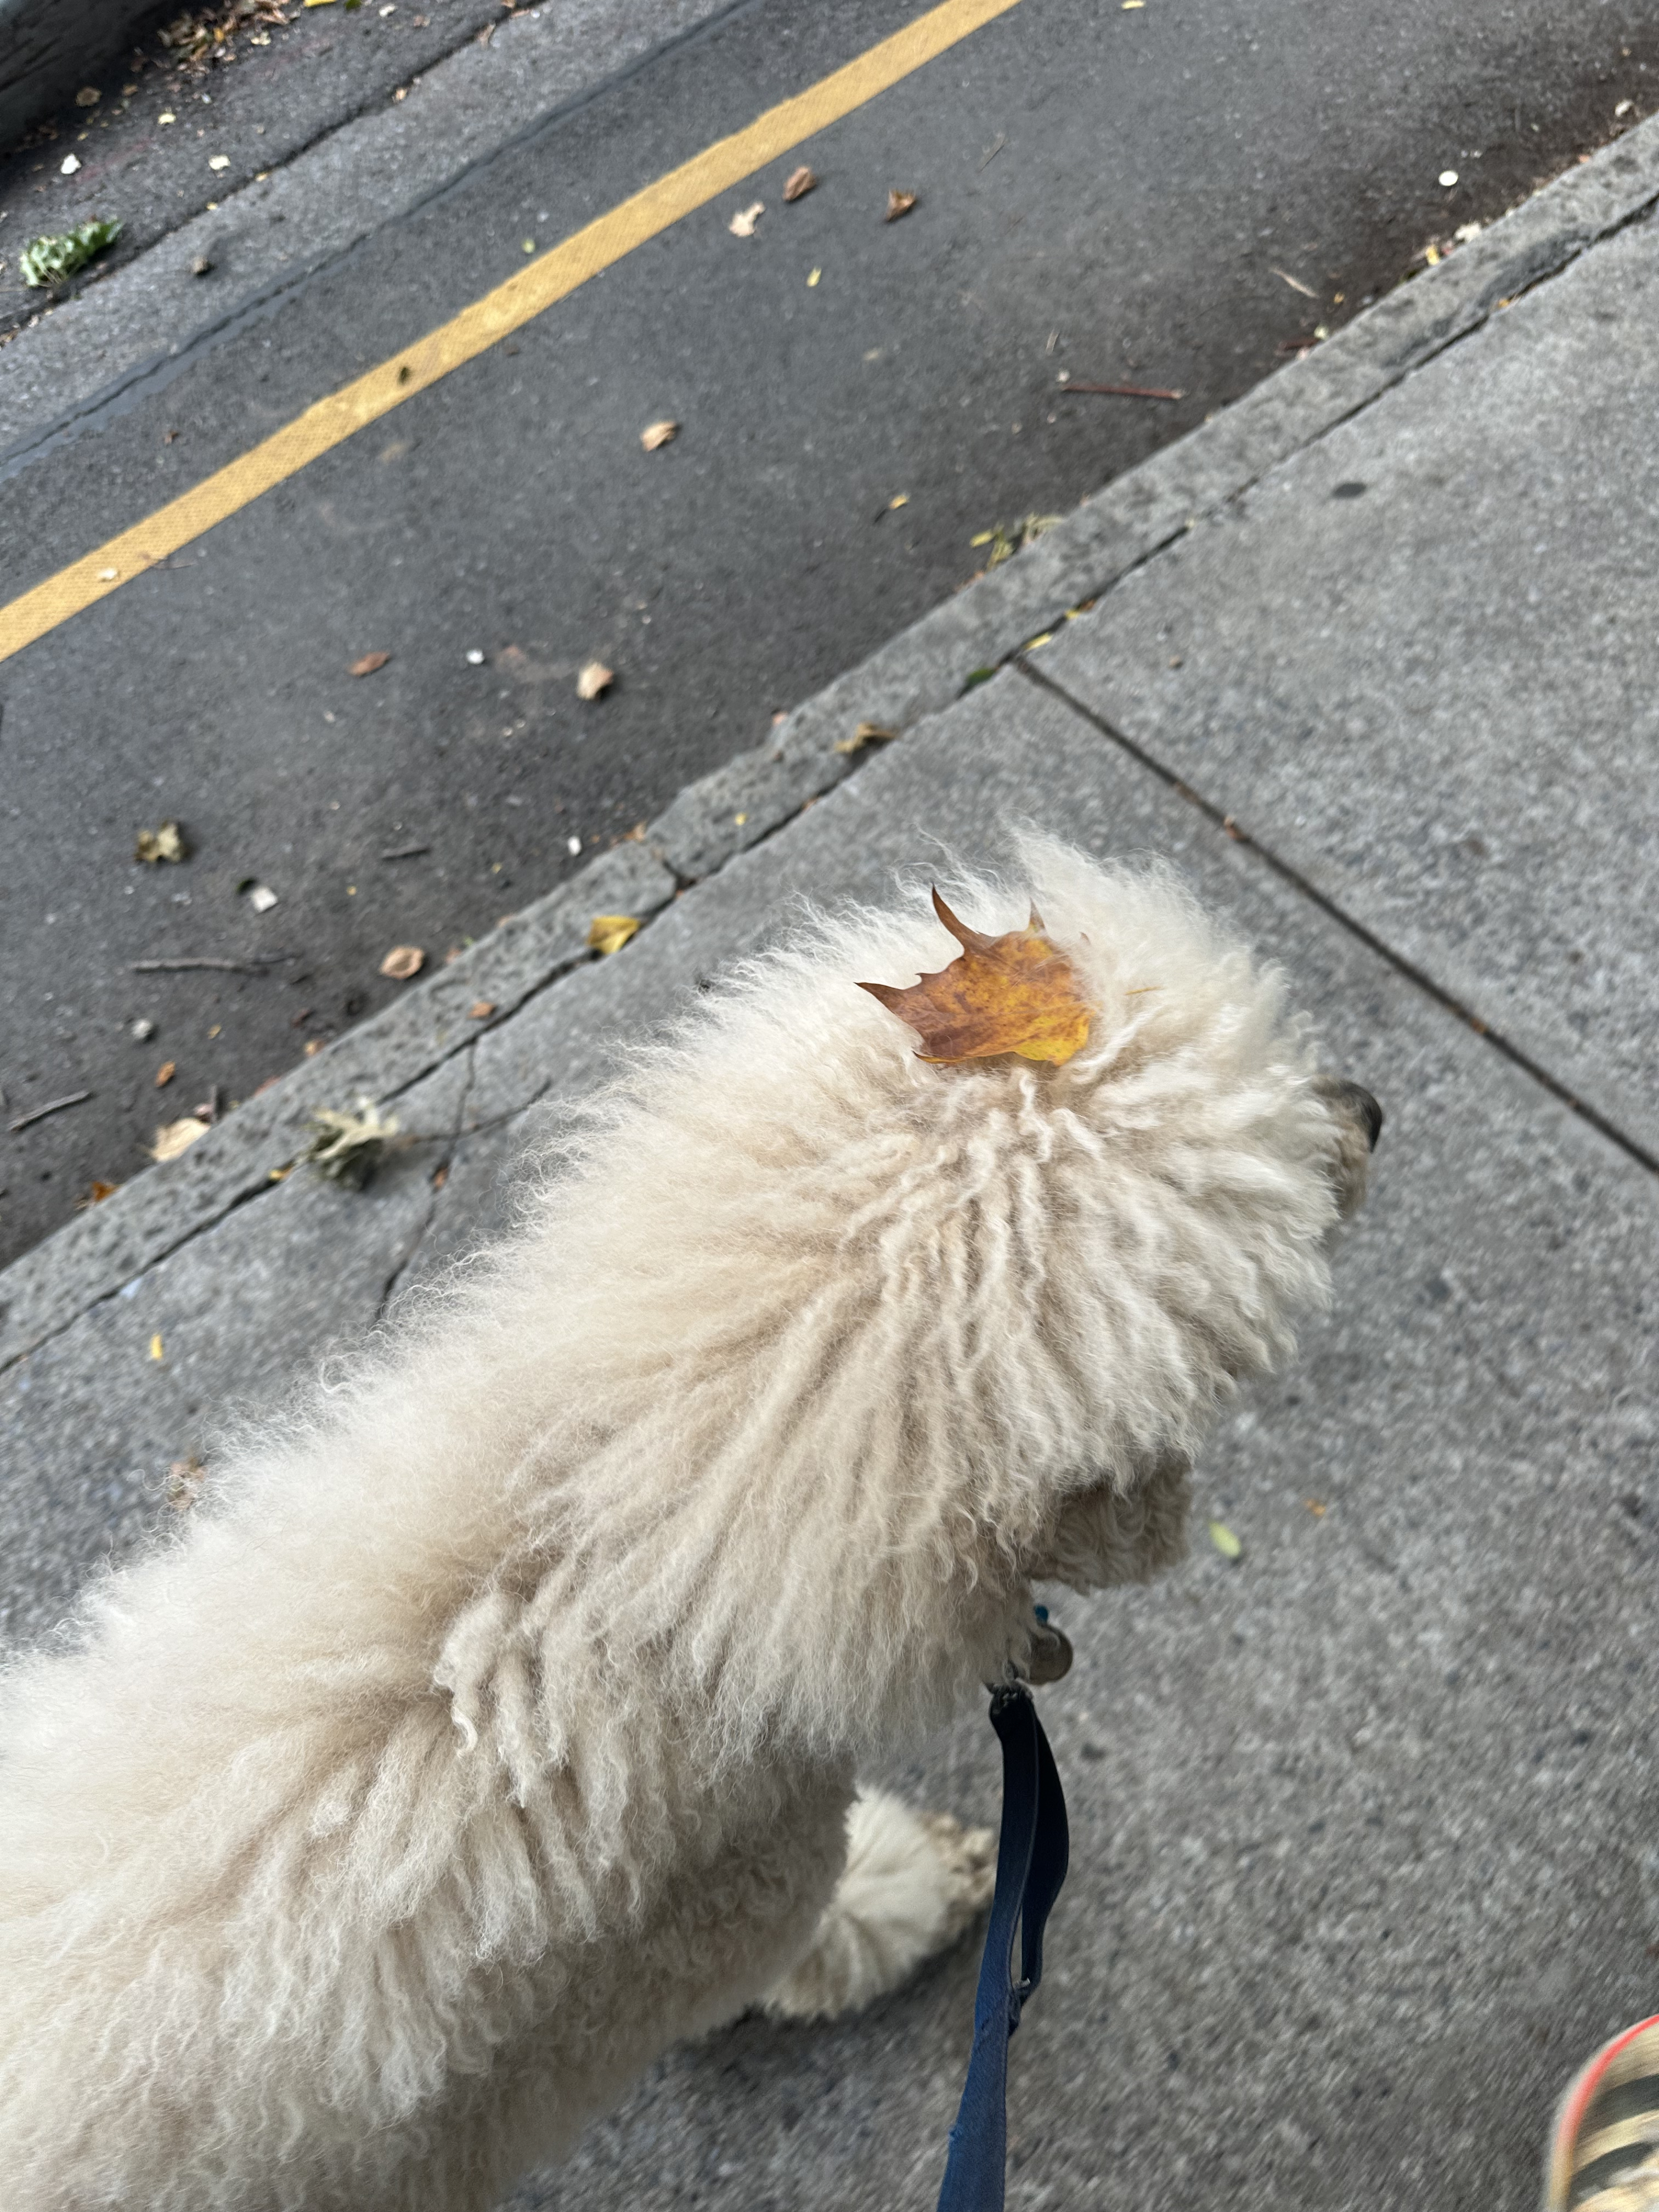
{"points": [[1364, 1832]]}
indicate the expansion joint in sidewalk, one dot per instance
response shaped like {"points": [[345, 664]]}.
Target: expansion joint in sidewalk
{"points": [[1292, 876]]}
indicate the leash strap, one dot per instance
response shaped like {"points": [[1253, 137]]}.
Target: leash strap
{"points": [[1032, 1849]]}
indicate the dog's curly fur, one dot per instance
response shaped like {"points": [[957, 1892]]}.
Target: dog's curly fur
{"points": [[495, 1723]]}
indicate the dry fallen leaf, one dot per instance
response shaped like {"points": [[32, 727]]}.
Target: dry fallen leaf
{"points": [[801, 182], [403, 962], [898, 204], [369, 663], [176, 1137], [166, 843], [1017, 992], [165, 1073], [609, 932], [868, 733], [349, 1147], [659, 434], [1225, 1540], [481, 1010], [94, 1195], [742, 224], [157, 1349], [595, 679]]}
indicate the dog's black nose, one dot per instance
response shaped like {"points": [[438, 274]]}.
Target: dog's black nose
{"points": [[1368, 1110]]}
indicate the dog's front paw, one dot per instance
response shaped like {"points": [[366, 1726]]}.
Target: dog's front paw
{"points": [[913, 1882], [968, 1856]]}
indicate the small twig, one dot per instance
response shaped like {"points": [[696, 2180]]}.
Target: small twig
{"points": [[405, 851], [52, 1106], [994, 149], [1297, 284], [257, 966], [1124, 391]]}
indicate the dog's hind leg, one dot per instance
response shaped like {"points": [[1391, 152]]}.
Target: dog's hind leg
{"points": [[912, 1882]]}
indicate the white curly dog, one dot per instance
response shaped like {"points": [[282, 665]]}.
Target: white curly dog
{"points": [[495, 1722]]}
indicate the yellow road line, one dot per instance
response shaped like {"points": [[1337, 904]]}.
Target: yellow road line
{"points": [[535, 288]]}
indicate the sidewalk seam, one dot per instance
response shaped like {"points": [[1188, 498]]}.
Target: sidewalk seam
{"points": [[1334, 912]]}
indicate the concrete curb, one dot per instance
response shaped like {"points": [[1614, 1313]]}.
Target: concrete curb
{"points": [[918, 673]]}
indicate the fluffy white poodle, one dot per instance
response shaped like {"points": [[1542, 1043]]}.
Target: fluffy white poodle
{"points": [[495, 1722]]}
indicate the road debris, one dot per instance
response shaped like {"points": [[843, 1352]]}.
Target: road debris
{"points": [[94, 1195], [474, 658], [403, 962], [868, 733], [742, 224], [157, 1350], [166, 843], [405, 851], [261, 964], [609, 932], [201, 266], [88, 96], [143, 1029], [481, 1010], [347, 1148], [52, 1106], [185, 1479], [54, 260], [1005, 540], [898, 204], [199, 37], [259, 896], [218, 160], [993, 149], [1122, 390], [812, 278], [174, 1138], [165, 1073], [657, 434], [1296, 283], [369, 663], [800, 182], [594, 681], [1225, 1540]]}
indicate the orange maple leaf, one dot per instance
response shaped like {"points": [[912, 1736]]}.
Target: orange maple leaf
{"points": [[1013, 993]]}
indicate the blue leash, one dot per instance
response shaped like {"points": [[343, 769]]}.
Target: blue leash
{"points": [[1031, 1855]]}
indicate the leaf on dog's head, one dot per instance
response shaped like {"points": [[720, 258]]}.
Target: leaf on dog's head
{"points": [[1017, 993]]}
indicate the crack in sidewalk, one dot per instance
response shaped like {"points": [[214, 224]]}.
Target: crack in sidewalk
{"points": [[450, 1140]]}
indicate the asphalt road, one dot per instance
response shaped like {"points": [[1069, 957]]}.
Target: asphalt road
{"points": [[1176, 195]]}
